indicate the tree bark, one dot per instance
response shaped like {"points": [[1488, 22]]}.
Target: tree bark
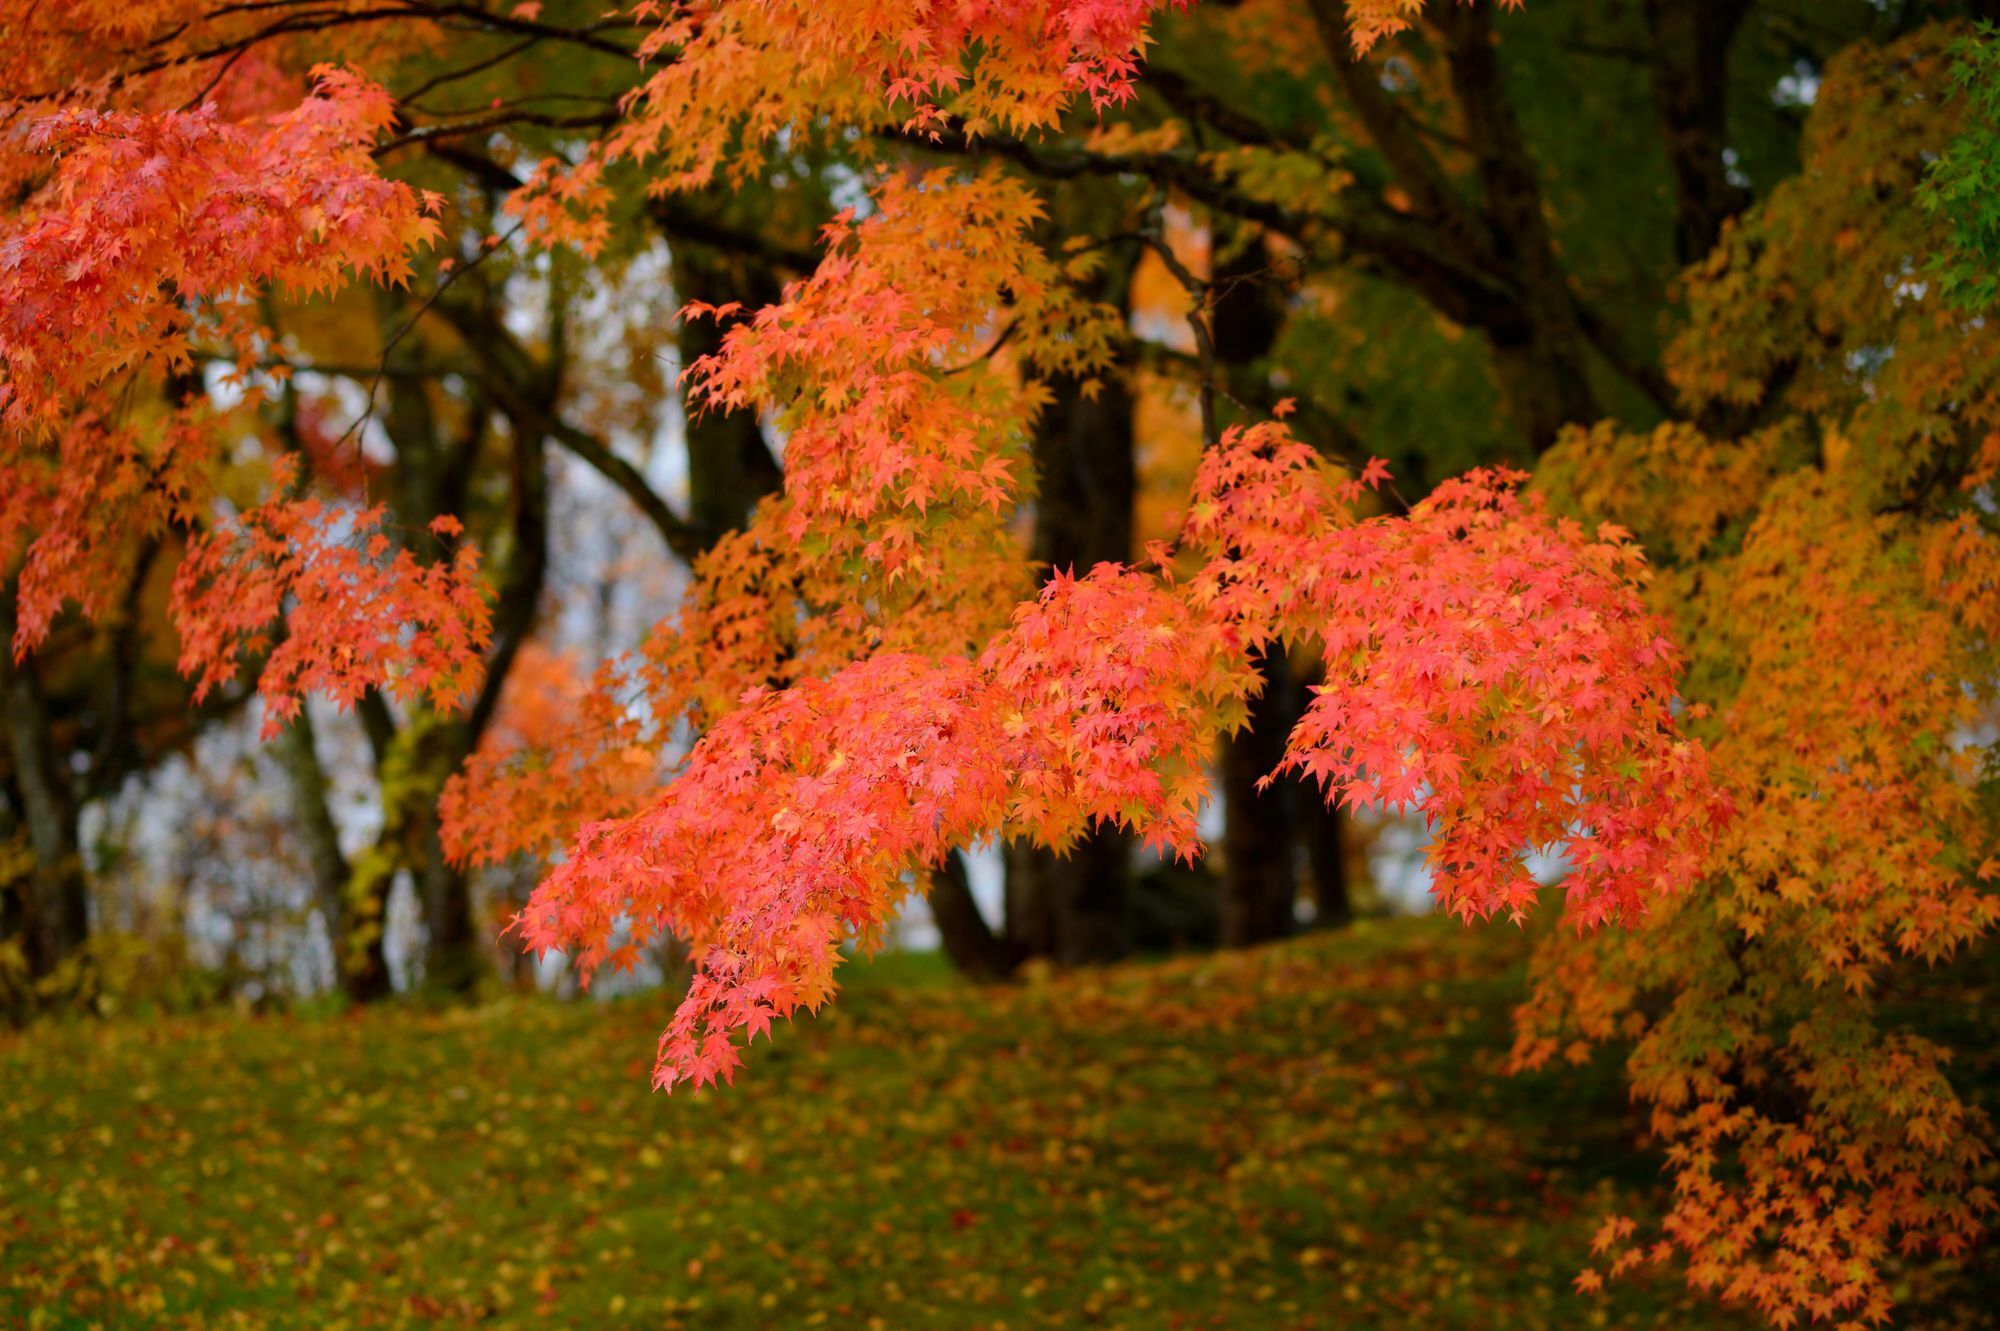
{"points": [[414, 760], [454, 958], [13, 888], [55, 909], [1259, 882], [972, 944], [1542, 363], [1688, 46], [1322, 827], [1324, 831], [353, 925], [730, 466], [454, 952], [1074, 906]]}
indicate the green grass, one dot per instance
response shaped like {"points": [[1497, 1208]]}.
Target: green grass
{"points": [[1314, 1135]]}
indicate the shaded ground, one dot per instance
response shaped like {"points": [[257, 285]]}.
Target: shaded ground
{"points": [[1313, 1135]]}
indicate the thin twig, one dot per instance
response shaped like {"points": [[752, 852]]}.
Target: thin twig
{"points": [[1197, 317], [1005, 333], [382, 369]]}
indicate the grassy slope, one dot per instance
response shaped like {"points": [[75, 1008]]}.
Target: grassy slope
{"points": [[1310, 1135]]}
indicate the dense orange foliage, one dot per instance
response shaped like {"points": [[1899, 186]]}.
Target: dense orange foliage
{"points": [[1845, 637], [1499, 672]]}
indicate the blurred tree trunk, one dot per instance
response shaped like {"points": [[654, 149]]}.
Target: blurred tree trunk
{"points": [[1259, 827], [433, 466], [1688, 48], [730, 467], [353, 931], [972, 944], [13, 869], [416, 755], [454, 951], [1323, 829], [54, 910]]}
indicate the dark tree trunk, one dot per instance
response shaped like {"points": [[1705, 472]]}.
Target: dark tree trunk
{"points": [[454, 952], [414, 761], [54, 911], [1324, 830], [973, 946], [1086, 480], [410, 775], [730, 466], [364, 977], [1688, 44], [1259, 881], [1074, 907], [1094, 900], [454, 955], [1030, 903], [13, 886], [1541, 361]]}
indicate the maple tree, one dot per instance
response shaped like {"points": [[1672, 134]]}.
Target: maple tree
{"points": [[825, 854], [1865, 832], [1758, 821]]}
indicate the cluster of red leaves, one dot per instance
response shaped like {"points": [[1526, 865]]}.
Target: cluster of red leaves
{"points": [[1122, 683], [792, 820], [910, 726], [154, 225], [905, 459], [151, 216], [68, 511], [357, 613], [806, 815], [865, 335], [1488, 664], [74, 54], [799, 818], [150, 54], [884, 430], [564, 750]]}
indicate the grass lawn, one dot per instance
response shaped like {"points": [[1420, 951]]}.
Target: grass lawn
{"points": [[1312, 1135]]}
